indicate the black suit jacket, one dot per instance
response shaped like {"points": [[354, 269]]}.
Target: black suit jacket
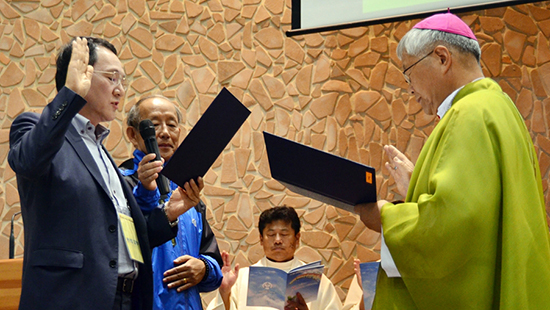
{"points": [[71, 225]]}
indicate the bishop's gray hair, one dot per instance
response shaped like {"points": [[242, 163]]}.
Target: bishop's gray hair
{"points": [[418, 42]]}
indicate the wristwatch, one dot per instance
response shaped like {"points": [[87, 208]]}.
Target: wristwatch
{"points": [[173, 223]]}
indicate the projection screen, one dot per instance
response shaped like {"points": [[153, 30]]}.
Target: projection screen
{"points": [[310, 16]]}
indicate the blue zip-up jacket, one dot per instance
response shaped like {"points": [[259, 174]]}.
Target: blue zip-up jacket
{"points": [[195, 238]]}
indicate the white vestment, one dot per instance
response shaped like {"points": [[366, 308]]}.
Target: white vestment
{"points": [[327, 298]]}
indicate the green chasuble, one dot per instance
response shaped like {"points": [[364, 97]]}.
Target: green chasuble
{"points": [[472, 233]]}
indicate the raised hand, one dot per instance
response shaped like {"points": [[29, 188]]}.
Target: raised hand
{"points": [[229, 279], [400, 168], [357, 270], [229, 276], [79, 73]]}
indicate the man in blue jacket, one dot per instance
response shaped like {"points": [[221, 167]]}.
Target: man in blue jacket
{"points": [[190, 263]]}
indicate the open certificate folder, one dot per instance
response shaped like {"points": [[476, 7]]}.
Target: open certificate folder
{"points": [[205, 142], [271, 287], [320, 175]]}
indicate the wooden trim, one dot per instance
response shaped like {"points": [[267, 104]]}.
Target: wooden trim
{"points": [[10, 283]]}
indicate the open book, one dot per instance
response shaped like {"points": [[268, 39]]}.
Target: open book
{"points": [[271, 287], [369, 274]]}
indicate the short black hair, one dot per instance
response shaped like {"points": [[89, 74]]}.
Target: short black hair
{"points": [[64, 57], [282, 213]]}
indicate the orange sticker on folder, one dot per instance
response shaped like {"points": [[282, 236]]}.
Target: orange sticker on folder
{"points": [[369, 177]]}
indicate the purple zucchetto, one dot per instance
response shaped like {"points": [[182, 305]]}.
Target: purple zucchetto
{"points": [[446, 22]]}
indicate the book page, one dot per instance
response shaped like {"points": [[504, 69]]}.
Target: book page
{"points": [[266, 287], [369, 274], [305, 280]]}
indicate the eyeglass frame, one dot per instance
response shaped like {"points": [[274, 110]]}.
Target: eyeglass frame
{"points": [[122, 81], [407, 78]]}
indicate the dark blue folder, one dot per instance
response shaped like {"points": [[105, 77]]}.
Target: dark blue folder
{"points": [[205, 142], [320, 175]]}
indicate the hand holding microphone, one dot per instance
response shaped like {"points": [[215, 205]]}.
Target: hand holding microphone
{"points": [[150, 167]]}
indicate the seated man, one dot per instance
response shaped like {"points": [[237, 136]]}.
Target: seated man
{"points": [[190, 263], [280, 236]]}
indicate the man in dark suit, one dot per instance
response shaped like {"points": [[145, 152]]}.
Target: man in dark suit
{"points": [[87, 244]]}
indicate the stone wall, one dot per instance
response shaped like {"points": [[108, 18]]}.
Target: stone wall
{"points": [[341, 91]]}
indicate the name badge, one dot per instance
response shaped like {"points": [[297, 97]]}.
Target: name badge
{"points": [[130, 236]]}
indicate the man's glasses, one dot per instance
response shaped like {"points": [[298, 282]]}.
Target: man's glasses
{"points": [[407, 78], [115, 78]]}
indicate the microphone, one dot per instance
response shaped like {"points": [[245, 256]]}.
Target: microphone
{"points": [[12, 238], [147, 131]]}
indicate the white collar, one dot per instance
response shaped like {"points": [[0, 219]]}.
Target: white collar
{"points": [[446, 104], [286, 266]]}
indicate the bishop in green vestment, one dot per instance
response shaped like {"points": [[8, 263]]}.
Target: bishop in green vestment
{"points": [[472, 231]]}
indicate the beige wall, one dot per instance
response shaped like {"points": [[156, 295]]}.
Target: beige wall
{"points": [[341, 92]]}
